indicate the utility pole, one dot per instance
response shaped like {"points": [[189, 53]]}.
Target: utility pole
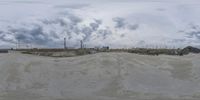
{"points": [[65, 47], [16, 45], [19, 44]]}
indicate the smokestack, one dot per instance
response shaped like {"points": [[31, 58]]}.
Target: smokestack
{"points": [[81, 44], [65, 47]]}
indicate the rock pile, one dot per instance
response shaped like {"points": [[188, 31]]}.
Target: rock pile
{"points": [[190, 49]]}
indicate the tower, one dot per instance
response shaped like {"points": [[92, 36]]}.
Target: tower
{"points": [[81, 44], [65, 47]]}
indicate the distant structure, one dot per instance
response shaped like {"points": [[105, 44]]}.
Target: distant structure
{"points": [[3, 51], [106, 47], [19, 45], [81, 44], [65, 47], [190, 49]]}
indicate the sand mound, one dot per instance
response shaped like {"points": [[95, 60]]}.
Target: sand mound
{"points": [[103, 76]]}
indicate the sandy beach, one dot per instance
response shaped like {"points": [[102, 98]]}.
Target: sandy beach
{"points": [[102, 76]]}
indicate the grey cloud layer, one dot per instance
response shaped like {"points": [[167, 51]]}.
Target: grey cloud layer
{"points": [[194, 33], [138, 22], [121, 23], [44, 32], [40, 32]]}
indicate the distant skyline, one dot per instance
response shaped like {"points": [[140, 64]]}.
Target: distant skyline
{"points": [[114, 23]]}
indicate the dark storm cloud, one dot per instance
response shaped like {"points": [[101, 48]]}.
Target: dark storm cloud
{"points": [[76, 30], [54, 35], [51, 31], [74, 19], [3, 38], [122, 35], [88, 32], [104, 32], [34, 35], [69, 23], [133, 27], [1, 32], [120, 22], [96, 24], [39, 33], [98, 21], [194, 34], [195, 27]]}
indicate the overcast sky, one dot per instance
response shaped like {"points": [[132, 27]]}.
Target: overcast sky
{"points": [[115, 23]]}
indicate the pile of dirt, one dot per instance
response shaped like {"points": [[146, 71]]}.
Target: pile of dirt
{"points": [[190, 49]]}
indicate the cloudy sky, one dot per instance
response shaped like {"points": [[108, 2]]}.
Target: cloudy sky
{"points": [[114, 23]]}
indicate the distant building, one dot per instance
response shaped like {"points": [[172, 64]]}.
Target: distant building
{"points": [[3, 51], [106, 47]]}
